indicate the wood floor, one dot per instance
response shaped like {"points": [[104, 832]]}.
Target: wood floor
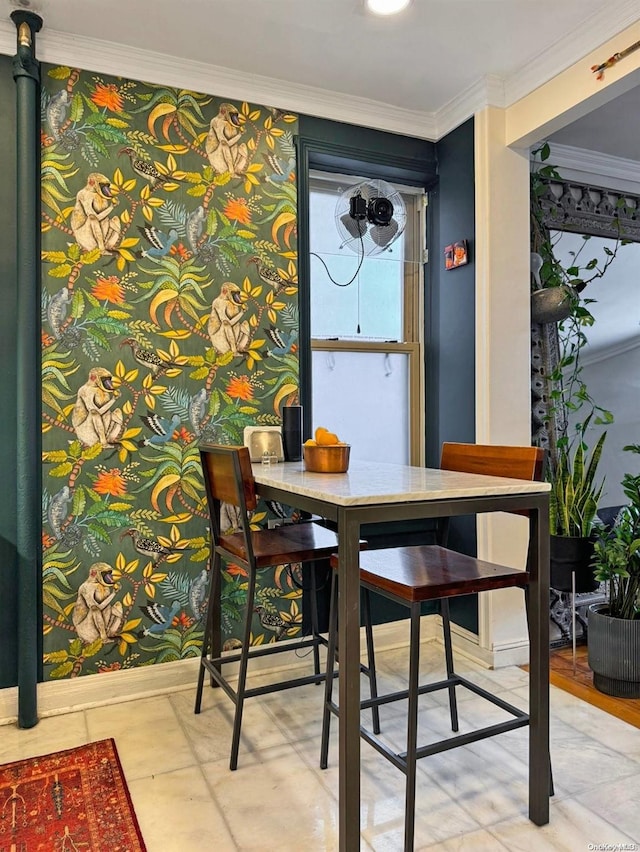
{"points": [[581, 685]]}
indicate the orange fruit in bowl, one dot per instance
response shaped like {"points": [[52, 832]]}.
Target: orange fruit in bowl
{"points": [[327, 439], [310, 443]]}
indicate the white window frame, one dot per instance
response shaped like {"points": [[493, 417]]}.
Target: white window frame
{"points": [[412, 344]]}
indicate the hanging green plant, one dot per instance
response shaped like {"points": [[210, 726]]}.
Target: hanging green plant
{"points": [[557, 296]]}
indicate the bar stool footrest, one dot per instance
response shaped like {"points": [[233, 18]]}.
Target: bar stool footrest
{"points": [[277, 686], [399, 758]]}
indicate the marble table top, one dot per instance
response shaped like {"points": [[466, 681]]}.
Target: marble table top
{"points": [[367, 483]]}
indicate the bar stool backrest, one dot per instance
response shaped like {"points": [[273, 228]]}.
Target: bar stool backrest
{"points": [[224, 468], [228, 478], [495, 460]]}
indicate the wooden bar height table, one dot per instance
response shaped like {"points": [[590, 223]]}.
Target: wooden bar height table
{"points": [[374, 492]]}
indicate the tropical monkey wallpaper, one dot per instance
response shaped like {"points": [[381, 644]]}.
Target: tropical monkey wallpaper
{"points": [[169, 291]]}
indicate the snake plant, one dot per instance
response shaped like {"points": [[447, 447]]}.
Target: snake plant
{"points": [[573, 502]]}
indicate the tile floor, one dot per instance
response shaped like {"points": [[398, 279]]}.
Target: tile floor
{"points": [[472, 798]]}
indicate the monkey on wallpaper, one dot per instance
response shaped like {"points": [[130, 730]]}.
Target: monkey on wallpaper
{"points": [[225, 151], [229, 518], [92, 417], [226, 328], [90, 222], [94, 615]]}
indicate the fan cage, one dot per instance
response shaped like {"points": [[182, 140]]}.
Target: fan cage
{"points": [[359, 235]]}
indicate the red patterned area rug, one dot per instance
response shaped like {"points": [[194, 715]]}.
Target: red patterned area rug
{"points": [[70, 800]]}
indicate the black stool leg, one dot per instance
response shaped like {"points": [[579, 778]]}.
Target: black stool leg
{"points": [[242, 674], [371, 660], [448, 655], [526, 607], [216, 620], [412, 729], [328, 681], [314, 620]]}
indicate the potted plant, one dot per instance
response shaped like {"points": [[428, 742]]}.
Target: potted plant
{"points": [[573, 506], [614, 627]]}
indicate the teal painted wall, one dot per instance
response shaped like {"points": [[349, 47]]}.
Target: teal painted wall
{"points": [[450, 326], [8, 573], [450, 303]]}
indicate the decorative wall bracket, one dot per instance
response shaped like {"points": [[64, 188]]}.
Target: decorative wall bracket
{"points": [[594, 210]]}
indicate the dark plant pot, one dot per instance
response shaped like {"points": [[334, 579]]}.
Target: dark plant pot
{"points": [[567, 554], [552, 304], [614, 652]]}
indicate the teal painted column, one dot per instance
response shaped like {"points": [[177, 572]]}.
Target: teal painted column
{"points": [[26, 74]]}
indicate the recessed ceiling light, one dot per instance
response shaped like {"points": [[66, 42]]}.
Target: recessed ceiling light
{"points": [[386, 7]]}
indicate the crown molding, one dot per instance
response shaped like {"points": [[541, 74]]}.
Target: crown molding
{"points": [[120, 60], [612, 18], [579, 163], [490, 91], [604, 353]]}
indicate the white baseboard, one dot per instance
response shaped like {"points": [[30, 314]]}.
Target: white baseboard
{"points": [[8, 705], [67, 696], [466, 643]]}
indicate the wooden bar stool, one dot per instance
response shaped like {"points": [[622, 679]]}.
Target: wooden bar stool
{"points": [[229, 479], [411, 575]]}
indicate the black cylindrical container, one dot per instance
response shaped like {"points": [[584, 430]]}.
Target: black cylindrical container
{"points": [[567, 554], [292, 432]]}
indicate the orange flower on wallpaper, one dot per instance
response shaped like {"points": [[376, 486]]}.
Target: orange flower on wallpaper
{"points": [[182, 620], [180, 251], [238, 210], [107, 95], [239, 387], [46, 339], [236, 570], [111, 482], [183, 434], [109, 289], [109, 667]]}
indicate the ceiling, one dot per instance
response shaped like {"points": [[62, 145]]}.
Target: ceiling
{"points": [[419, 59], [428, 57]]}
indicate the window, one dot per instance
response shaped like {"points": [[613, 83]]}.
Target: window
{"points": [[366, 337]]}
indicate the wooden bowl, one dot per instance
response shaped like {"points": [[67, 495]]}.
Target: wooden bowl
{"points": [[326, 459]]}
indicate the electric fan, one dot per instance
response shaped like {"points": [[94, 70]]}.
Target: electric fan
{"points": [[370, 217]]}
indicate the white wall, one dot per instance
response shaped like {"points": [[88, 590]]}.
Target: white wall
{"points": [[615, 383], [503, 360]]}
